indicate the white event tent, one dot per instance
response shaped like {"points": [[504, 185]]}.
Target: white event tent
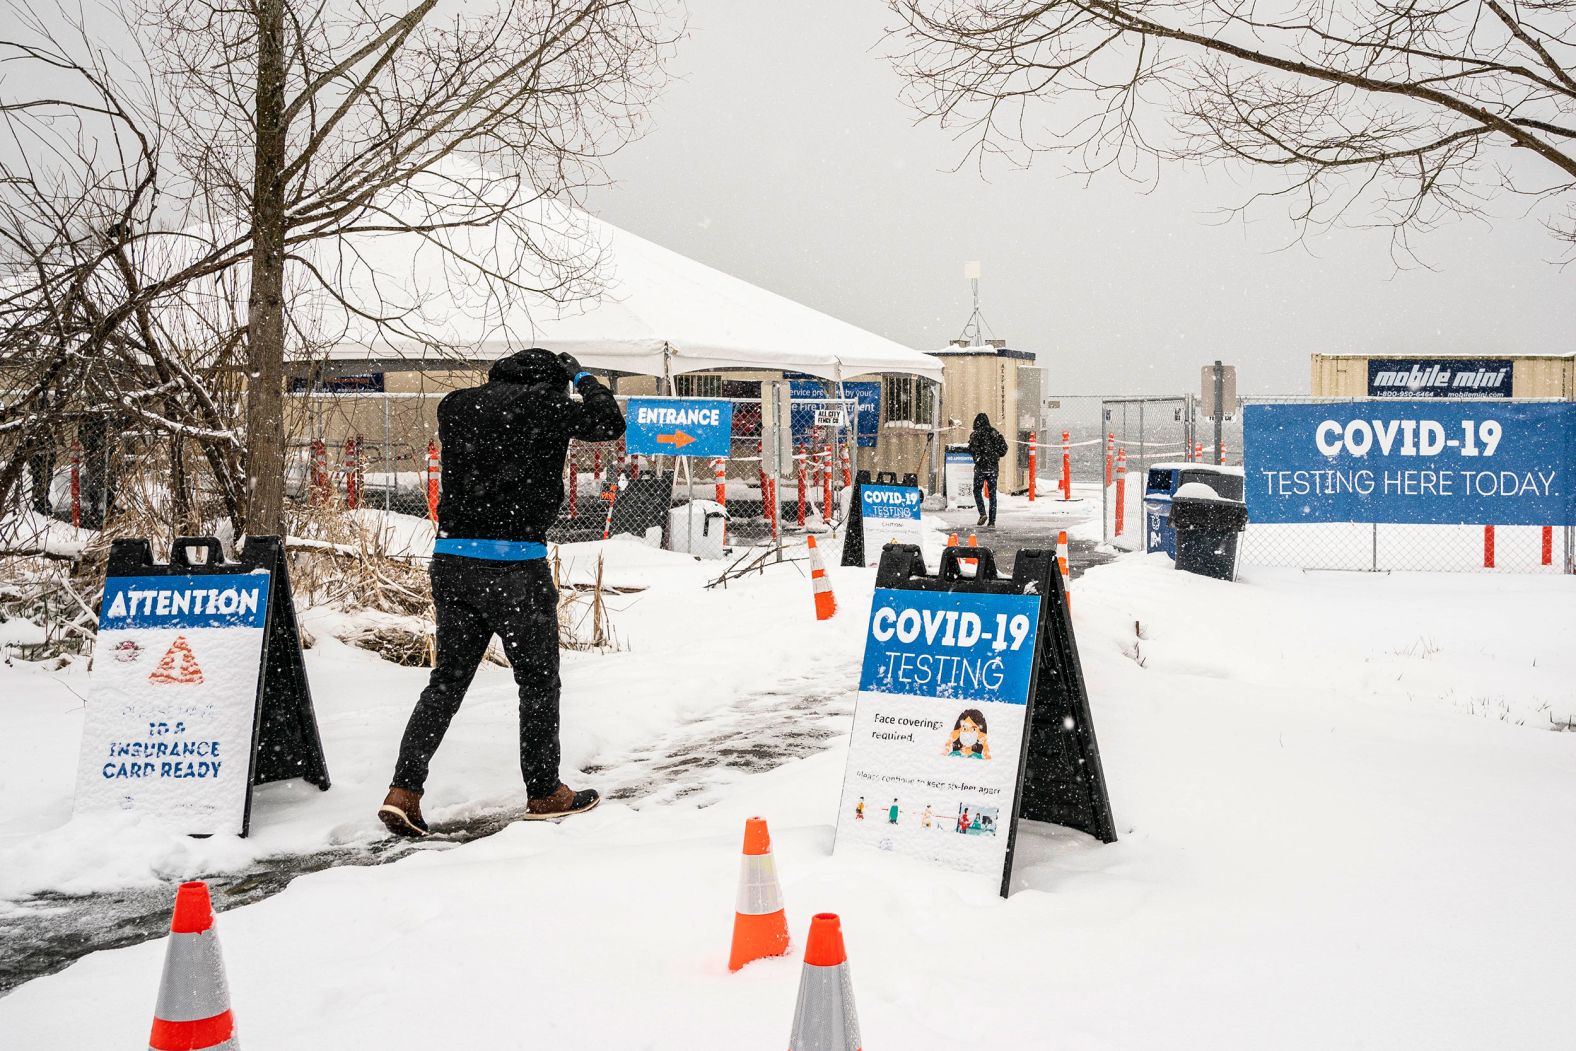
{"points": [[657, 313]]}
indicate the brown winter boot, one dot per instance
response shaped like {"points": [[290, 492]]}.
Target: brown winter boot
{"points": [[401, 813], [563, 802]]}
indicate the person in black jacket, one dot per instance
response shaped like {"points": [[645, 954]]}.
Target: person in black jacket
{"points": [[987, 446], [504, 445]]}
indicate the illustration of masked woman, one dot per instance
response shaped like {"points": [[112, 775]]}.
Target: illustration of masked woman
{"points": [[968, 739]]}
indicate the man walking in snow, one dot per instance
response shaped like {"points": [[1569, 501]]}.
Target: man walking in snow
{"points": [[504, 445], [987, 446]]}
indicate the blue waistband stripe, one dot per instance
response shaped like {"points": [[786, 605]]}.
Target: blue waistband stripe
{"points": [[496, 550]]}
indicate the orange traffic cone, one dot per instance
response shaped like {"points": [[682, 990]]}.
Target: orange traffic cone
{"points": [[825, 601], [760, 927], [193, 1011], [824, 1019], [952, 540], [972, 563], [1061, 565]]}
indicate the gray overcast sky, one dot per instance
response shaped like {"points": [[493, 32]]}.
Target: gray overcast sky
{"points": [[783, 157]]}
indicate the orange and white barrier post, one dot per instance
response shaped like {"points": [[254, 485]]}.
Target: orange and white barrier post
{"points": [[760, 926], [1121, 491], [193, 1010], [1198, 452], [848, 471], [1110, 456], [319, 471], [1067, 466], [1031, 467], [1488, 547], [76, 485], [432, 481], [824, 1018], [574, 480], [719, 474], [1548, 545], [1061, 565], [352, 472], [825, 601]]}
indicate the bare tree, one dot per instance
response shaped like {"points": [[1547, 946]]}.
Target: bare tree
{"points": [[273, 132], [1408, 112]]}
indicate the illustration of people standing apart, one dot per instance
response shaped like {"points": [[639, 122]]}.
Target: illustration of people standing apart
{"points": [[892, 813], [968, 739], [925, 818], [859, 811], [963, 821]]}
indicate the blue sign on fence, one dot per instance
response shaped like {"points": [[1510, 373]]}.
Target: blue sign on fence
{"points": [[1439, 377], [810, 394], [679, 427], [1419, 462]]}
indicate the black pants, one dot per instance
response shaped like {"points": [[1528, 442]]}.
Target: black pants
{"points": [[476, 599], [980, 478]]}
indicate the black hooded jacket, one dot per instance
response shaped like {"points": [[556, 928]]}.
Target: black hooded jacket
{"points": [[504, 445], [987, 446]]}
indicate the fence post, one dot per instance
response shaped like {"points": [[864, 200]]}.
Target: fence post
{"points": [[826, 486], [1031, 466], [432, 480], [799, 469], [1121, 489], [1067, 465], [76, 484], [1488, 547]]}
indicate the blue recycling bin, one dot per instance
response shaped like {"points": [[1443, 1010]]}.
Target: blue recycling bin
{"points": [[1163, 480]]}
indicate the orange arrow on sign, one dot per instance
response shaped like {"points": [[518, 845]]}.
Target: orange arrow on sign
{"points": [[678, 439]]}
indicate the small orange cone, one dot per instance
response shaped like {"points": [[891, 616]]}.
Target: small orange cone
{"points": [[952, 541], [1061, 565], [972, 563], [824, 1019], [825, 601], [760, 927], [193, 1012]]}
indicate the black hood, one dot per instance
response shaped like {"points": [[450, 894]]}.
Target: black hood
{"points": [[981, 422], [528, 367]]}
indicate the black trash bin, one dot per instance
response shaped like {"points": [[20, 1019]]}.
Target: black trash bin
{"points": [[1208, 527]]}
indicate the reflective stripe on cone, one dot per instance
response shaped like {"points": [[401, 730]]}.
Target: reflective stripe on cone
{"points": [[824, 1018], [760, 926], [193, 1009], [825, 601]]}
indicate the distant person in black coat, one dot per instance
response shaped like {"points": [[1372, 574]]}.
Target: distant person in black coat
{"points": [[987, 446], [504, 445]]}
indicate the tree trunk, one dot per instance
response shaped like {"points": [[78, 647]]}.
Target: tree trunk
{"points": [[265, 327]]}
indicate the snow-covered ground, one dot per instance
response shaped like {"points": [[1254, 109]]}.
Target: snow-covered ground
{"points": [[1342, 815]]}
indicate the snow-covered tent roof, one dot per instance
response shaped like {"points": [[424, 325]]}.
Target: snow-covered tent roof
{"points": [[657, 312]]}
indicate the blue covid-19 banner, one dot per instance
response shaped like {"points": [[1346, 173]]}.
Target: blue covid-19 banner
{"points": [[1418, 462]]}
